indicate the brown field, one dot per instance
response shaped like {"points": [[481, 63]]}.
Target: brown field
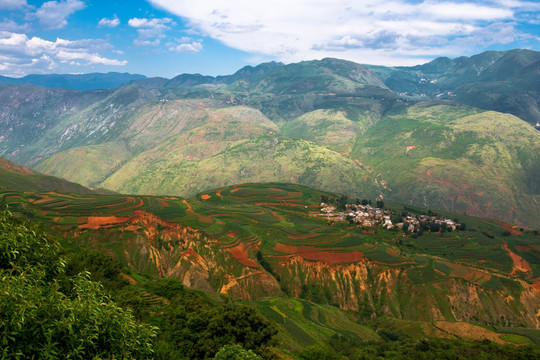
{"points": [[240, 253], [279, 217], [313, 253], [201, 218], [95, 222], [44, 199], [293, 249], [206, 196], [520, 264], [164, 203], [508, 228], [334, 256]]}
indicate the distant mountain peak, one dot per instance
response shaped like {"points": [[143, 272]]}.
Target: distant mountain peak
{"points": [[81, 82]]}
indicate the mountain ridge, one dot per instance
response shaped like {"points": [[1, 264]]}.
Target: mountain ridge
{"points": [[20, 178], [81, 82]]}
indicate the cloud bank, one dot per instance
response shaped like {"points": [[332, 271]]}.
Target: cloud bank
{"points": [[20, 54], [393, 32], [150, 31]]}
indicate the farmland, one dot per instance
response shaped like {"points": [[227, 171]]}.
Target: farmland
{"points": [[252, 241]]}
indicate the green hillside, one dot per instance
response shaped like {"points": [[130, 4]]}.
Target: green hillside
{"points": [[20, 178], [504, 81], [449, 156], [265, 159]]}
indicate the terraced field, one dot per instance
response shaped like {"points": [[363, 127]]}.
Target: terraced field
{"points": [[257, 240]]}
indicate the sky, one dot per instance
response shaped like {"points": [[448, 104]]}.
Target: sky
{"points": [[216, 37]]}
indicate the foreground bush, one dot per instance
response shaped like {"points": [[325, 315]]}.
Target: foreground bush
{"points": [[45, 314]]}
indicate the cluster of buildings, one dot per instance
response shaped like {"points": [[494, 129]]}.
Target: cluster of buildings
{"points": [[367, 215], [435, 222]]}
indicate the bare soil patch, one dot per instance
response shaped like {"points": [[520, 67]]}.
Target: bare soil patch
{"points": [[334, 256], [293, 249], [312, 253], [508, 228], [520, 264], [95, 222], [240, 253], [279, 217], [201, 218], [164, 203]]}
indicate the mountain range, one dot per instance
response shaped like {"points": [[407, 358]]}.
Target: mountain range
{"points": [[82, 82], [275, 187], [415, 135]]}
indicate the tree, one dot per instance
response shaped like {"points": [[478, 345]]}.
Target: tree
{"points": [[319, 352], [341, 202], [235, 352], [380, 204], [200, 330]]}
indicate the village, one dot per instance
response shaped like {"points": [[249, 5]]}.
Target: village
{"points": [[368, 216]]}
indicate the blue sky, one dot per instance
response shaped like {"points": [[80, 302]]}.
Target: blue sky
{"points": [[169, 37]]}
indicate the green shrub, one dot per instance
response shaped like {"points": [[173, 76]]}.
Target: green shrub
{"points": [[48, 315]]}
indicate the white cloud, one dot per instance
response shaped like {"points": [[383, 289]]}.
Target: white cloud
{"points": [[150, 31], [10, 25], [111, 23], [21, 55], [141, 42], [149, 23], [186, 44], [393, 32], [53, 14], [12, 4]]}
